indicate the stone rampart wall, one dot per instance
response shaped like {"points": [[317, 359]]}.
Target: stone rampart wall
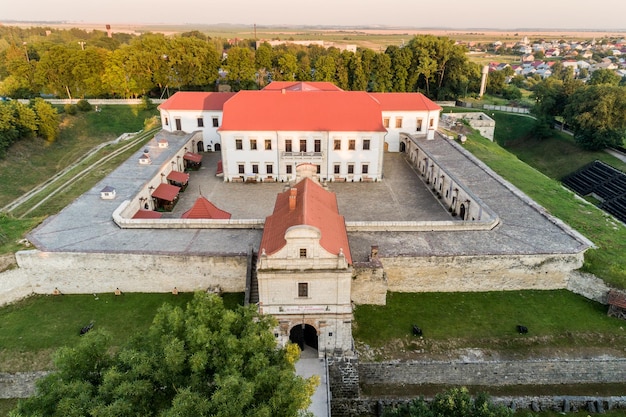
{"points": [[479, 273], [495, 373], [84, 273]]}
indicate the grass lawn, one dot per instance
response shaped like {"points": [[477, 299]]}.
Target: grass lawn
{"points": [[557, 320], [609, 261], [32, 329], [30, 162]]}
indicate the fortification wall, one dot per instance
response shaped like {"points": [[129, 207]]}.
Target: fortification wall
{"points": [[84, 273], [479, 273]]}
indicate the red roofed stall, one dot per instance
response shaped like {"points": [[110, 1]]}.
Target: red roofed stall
{"points": [[147, 214], [166, 196], [179, 179], [192, 160]]}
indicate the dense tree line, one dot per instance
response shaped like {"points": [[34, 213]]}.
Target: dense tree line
{"points": [[595, 111], [204, 360], [23, 121], [79, 64]]}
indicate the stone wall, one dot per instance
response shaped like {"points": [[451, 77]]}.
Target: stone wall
{"points": [[589, 286], [495, 373], [84, 273], [369, 284], [479, 273]]}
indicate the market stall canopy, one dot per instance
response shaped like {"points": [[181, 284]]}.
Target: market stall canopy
{"points": [[166, 192]]}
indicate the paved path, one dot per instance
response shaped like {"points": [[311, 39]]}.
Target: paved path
{"points": [[308, 365]]}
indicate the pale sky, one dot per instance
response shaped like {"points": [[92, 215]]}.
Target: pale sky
{"points": [[462, 14]]}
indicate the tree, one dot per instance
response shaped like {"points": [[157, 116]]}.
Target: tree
{"points": [[239, 66], [287, 67], [597, 115], [47, 119], [202, 361], [604, 76], [455, 402]]}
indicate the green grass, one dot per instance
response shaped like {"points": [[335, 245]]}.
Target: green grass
{"points": [[609, 261], [32, 161], [7, 405], [12, 230], [555, 319], [30, 330]]}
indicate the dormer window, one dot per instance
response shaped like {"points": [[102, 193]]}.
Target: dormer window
{"points": [[303, 252]]}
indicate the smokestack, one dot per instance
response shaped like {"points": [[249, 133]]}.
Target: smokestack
{"points": [[293, 193]]}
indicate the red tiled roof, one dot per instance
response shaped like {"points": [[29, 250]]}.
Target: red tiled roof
{"points": [[301, 86], [193, 157], [204, 209], [147, 214], [341, 111], [196, 100], [179, 177], [405, 101], [314, 207], [166, 192]]}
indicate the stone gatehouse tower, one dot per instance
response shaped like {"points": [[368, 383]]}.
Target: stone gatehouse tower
{"points": [[304, 270]]}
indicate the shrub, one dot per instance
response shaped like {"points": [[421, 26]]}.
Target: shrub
{"points": [[70, 109], [83, 105]]}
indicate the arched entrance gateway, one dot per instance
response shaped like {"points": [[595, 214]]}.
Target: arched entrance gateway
{"points": [[304, 335]]}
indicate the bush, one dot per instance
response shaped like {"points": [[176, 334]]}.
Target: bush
{"points": [[83, 105], [70, 109], [146, 103]]}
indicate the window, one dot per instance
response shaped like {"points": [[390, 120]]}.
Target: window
{"points": [[317, 146], [268, 144], [419, 125], [253, 144], [365, 169], [337, 168], [288, 145], [337, 144], [242, 168], [318, 169], [350, 168], [351, 144], [303, 289], [200, 122], [303, 145], [386, 122], [303, 252], [216, 122], [431, 123], [398, 122], [255, 168], [167, 121], [289, 169], [238, 144], [269, 168], [366, 144]]}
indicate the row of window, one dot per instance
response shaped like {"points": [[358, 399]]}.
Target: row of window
{"points": [[200, 120], [317, 145], [269, 169], [398, 121]]}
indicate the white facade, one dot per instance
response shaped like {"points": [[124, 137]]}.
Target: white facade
{"points": [[205, 121], [410, 122], [304, 285], [273, 156]]}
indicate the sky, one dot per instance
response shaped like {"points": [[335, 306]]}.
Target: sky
{"points": [[462, 14]]}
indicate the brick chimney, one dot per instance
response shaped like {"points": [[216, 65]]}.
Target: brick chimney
{"points": [[293, 193]]}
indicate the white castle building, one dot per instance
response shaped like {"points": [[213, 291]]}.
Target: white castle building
{"points": [[263, 135]]}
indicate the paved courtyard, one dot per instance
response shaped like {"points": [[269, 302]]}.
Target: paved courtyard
{"points": [[86, 225]]}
